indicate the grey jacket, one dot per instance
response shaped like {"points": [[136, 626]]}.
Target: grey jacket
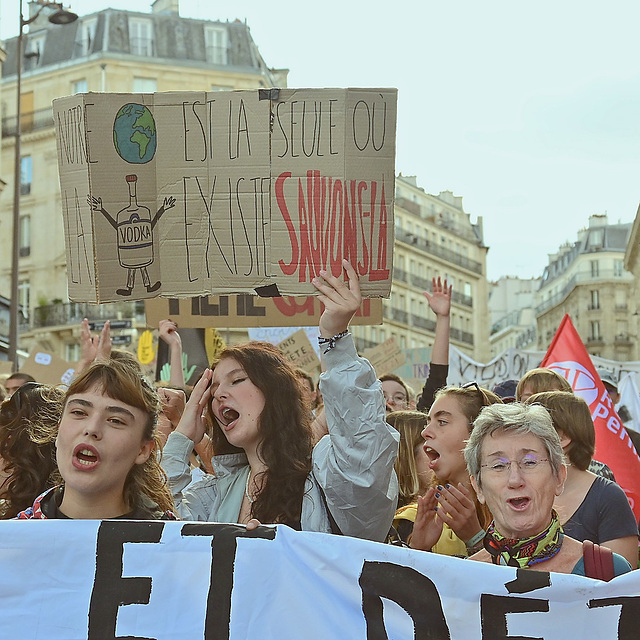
{"points": [[353, 464]]}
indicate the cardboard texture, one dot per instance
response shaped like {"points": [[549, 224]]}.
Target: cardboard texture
{"points": [[184, 194], [386, 357], [299, 350], [48, 368], [249, 311]]}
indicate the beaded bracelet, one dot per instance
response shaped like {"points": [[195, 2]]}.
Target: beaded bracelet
{"points": [[331, 342], [471, 543]]}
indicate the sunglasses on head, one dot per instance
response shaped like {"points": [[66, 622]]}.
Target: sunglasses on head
{"points": [[474, 385]]}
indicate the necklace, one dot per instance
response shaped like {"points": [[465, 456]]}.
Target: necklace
{"points": [[246, 489]]}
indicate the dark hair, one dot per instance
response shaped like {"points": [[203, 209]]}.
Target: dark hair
{"points": [[284, 428], [121, 381], [25, 377], [399, 380], [571, 416], [30, 465]]}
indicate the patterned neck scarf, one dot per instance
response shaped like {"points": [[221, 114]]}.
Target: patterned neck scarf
{"points": [[524, 552]]}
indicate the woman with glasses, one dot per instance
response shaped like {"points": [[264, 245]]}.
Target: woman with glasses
{"points": [[517, 469], [26, 466], [590, 507], [449, 520]]}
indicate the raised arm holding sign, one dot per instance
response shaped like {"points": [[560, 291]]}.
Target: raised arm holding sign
{"points": [[252, 400]]}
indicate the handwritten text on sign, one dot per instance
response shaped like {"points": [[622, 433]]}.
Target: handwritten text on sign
{"points": [[187, 194]]}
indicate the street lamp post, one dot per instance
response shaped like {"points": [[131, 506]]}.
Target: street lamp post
{"points": [[61, 16]]}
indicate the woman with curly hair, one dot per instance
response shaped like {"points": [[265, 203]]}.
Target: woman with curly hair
{"points": [[106, 450], [266, 466], [27, 466]]}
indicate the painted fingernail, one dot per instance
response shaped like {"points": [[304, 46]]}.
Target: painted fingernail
{"points": [[439, 487], [435, 508], [323, 273], [437, 495], [448, 486]]}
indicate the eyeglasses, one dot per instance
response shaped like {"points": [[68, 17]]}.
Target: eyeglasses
{"points": [[527, 465], [396, 398]]}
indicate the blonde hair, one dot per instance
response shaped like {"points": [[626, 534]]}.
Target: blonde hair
{"points": [[410, 425]]}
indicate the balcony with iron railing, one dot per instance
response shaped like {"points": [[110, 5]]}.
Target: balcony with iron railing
{"points": [[29, 122], [440, 252], [53, 315]]}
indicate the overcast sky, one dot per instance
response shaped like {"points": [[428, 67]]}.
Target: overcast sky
{"points": [[529, 111]]}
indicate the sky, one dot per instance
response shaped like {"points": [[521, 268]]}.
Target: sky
{"points": [[529, 111]]}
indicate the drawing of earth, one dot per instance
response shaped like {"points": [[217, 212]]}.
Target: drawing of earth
{"points": [[134, 134]]}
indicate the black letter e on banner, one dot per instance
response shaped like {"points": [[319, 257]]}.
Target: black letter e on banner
{"points": [[110, 589]]}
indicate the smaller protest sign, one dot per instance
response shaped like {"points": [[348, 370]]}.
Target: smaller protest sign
{"points": [[48, 368], [386, 356], [297, 347], [245, 310]]}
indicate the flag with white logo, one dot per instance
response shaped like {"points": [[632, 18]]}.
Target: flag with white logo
{"points": [[568, 356]]}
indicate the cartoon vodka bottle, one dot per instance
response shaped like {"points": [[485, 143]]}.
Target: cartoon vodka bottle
{"points": [[135, 240]]}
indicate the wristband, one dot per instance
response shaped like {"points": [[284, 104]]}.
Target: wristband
{"points": [[472, 542], [331, 342]]}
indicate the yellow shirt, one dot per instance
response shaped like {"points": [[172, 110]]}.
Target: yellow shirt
{"points": [[448, 544]]}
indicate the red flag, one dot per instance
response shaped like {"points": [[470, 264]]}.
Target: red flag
{"points": [[568, 356]]}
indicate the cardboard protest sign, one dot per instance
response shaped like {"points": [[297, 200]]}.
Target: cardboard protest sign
{"points": [[192, 193], [48, 368], [176, 580], [386, 357], [298, 348], [250, 311]]}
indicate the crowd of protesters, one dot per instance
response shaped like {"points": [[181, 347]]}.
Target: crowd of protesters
{"points": [[504, 475]]}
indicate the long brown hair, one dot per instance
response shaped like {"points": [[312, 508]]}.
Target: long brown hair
{"points": [[31, 465], [284, 428]]}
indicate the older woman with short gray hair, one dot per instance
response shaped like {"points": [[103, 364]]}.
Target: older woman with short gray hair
{"points": [[515, 462]]}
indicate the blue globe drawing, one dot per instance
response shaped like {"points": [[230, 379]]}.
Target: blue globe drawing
{"points": [[134, 134]]}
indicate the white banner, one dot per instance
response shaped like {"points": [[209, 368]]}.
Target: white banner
{"points": [[114, 579]]}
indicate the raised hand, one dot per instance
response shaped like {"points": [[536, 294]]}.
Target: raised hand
{"points": [[168, 331], [440, 299], [193, 423], [457, 508], [427, 528], [340, 301]]}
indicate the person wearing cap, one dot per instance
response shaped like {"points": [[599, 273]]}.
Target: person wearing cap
{"points": [[506, 390], [611, 385]]}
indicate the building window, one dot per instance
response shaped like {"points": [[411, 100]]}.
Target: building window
{"points": [[25, 236], [595, 268], [86, 36], [595, 299], [24, 297], [33, 50], [145, 85], [141, 37], [618, 268], [595, 330], [79, 86], [215, 42], [72, 352], [26, 175]]}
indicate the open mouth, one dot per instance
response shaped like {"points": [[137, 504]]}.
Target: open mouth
{"points": [[519, 503], [85, 457], [229, 416], [432, 454]]}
